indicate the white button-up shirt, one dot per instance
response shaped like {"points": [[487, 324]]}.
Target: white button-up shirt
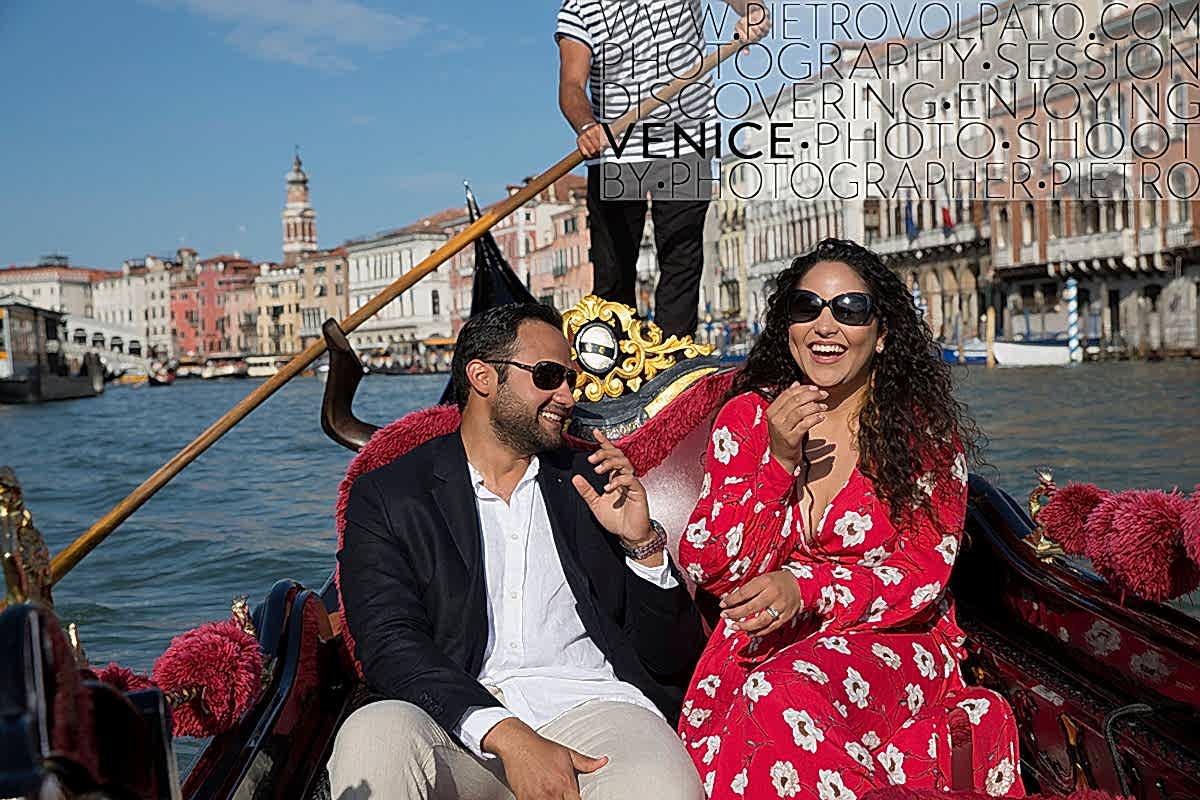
{"points": [[538, 654]]}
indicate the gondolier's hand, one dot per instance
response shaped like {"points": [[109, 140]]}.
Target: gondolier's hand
{"points": [[749, 605], [622, 509], [591, 140], [754, 24], [535, 767], [797, 409]]}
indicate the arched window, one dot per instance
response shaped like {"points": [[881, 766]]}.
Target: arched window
{"points": [[1027, 224], [1056, 218], [1002, 229]]}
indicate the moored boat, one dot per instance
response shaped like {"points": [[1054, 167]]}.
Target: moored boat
{"points": [[263, 366], [224, 366], [34, 364]]}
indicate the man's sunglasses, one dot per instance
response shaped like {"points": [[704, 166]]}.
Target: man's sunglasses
{"points": [[547, 375], [848, 308]]}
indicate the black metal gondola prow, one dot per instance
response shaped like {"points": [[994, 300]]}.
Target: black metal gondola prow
{"points": [[337, 406]]}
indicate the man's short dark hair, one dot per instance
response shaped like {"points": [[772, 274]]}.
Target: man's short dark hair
{"points": [[492, 336]]}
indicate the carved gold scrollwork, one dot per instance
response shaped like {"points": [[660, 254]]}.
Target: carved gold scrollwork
{"points": [[241, 614], [645, 353], [1043, 546], [25, 556], [1075, 753]]}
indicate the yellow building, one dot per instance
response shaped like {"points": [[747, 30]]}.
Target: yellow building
{"points": [[278, 291]]}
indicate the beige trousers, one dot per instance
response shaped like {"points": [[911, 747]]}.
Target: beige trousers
{"points": [[392, 750]]}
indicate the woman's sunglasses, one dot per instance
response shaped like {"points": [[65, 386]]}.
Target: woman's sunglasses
{"points": [[848, 308], [547, 375]]}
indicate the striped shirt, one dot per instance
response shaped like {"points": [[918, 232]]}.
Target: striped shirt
{"points": [[639, 47]]}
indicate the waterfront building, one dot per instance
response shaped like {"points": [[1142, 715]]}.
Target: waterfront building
{"points": [[277, 289], [198, 305], [241, 318], [54, 284], [140, 297], [299, 218], [1122, 225], [561, 268], [324, 291], [422, 312]]}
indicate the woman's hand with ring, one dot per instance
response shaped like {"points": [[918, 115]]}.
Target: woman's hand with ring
{"points": [[763, 604]]}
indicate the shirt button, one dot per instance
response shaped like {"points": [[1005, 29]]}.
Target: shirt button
{"points": [[512, 645], [514, 537], [512, 595]]}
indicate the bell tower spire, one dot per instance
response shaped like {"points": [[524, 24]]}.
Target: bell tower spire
{"points": [[299, 219]]}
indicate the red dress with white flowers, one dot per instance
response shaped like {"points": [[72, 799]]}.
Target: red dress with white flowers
{"points": [[858, 694]]}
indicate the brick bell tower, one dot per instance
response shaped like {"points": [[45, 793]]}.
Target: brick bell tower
{"points": [[299, 219]]}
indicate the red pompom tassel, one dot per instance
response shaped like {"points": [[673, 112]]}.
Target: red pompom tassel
{"points": [[212, 674], [1064, 517], [1135, 540], [1191, 527], [123, 679]]}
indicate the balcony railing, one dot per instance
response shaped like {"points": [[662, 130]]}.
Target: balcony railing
{"points": [[1179, 235], [1149, 240], [1111, 244], [932, 237], [1029, 253], [1001, 257]]}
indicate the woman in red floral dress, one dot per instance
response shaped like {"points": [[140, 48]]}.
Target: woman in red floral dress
{"points": [[829, 518]]}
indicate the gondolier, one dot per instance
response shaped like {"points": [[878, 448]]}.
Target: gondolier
{"points": [[623, 51]]}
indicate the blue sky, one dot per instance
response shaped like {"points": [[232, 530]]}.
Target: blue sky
{"points": [[130, 127], [137, 126]]}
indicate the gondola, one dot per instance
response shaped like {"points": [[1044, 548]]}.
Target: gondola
{"points": [[1103, 674], [1106, 686]]}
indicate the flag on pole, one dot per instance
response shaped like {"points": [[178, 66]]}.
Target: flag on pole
{"points": [[947, 219], [910, 225]]}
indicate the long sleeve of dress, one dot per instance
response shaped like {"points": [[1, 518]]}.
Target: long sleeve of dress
{"points": [[743, 518], [885, 580]]}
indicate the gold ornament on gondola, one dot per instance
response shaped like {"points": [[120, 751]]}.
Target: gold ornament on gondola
{"points": [[617, 351], [23, 550], [1043, 546]]}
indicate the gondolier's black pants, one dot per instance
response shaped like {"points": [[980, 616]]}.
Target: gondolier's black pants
{"points": [[616, 236]]}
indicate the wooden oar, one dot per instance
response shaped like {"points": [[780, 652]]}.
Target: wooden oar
{"points": [[74, 553]]}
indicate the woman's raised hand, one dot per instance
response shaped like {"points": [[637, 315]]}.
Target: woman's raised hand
{"points": [[764, 603], [789, 417]]}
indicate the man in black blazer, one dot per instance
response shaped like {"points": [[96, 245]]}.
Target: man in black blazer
{"points": [[529, 638]]}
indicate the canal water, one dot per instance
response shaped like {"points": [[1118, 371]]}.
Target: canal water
{"points": [[258, 506]]}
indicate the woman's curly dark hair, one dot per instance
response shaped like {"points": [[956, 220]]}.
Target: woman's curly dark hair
{"points": [[910, 419]]}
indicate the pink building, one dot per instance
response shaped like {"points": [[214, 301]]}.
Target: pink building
{"points": [[562, 269], [198, 307]]}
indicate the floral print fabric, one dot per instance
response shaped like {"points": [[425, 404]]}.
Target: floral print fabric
{"points": [[857, 692]]}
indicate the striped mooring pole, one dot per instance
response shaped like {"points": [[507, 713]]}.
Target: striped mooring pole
{"points": [[1071, 295]]}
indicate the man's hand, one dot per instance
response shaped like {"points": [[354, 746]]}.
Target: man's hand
{"points": [[747, 605], [592, 141], [622, 509], [754, 24], [535, 767], [797, 409]]}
